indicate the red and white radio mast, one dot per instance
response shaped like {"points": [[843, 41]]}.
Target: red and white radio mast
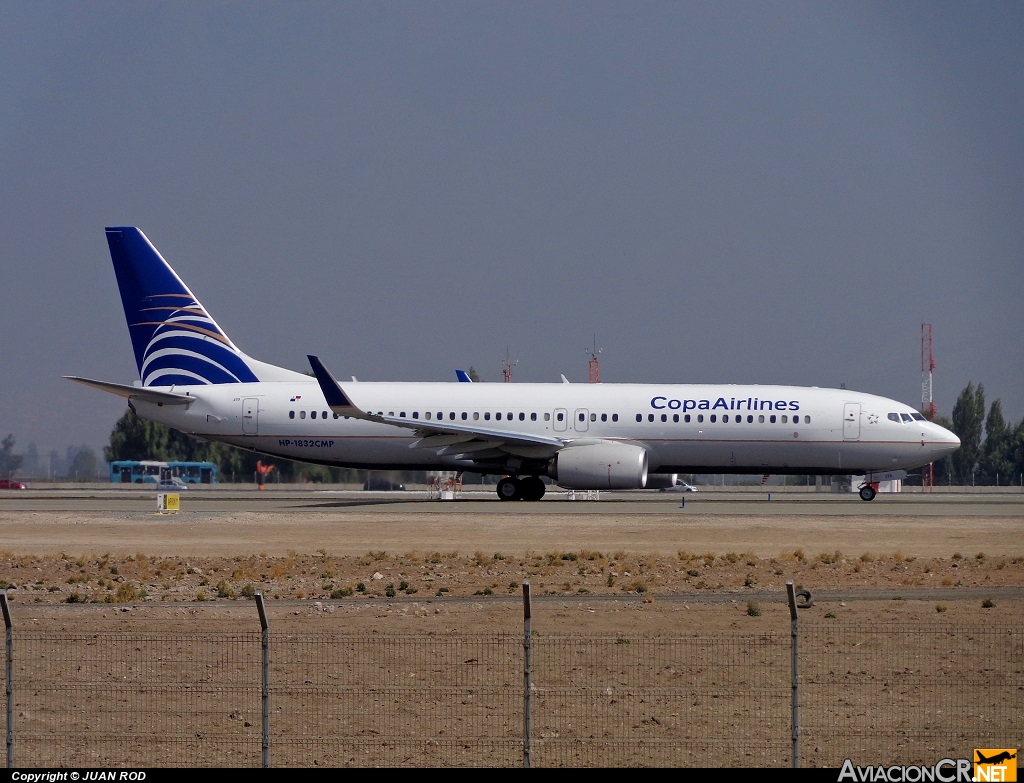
{"points": [[927, 404], [594, 368], [507, 365], [927, 368]]}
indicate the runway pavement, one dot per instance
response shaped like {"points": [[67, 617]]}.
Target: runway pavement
{"points": [[233, 520]]}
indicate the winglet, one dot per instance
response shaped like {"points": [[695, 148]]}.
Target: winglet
{"points": [[336, 398], [463, 376]]}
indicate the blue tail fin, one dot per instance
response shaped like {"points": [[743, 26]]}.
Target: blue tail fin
{"points": [[176, 341]]}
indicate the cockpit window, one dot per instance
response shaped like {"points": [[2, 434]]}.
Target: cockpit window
{"points": [[918, 417], [907, 417], [894, 417]]}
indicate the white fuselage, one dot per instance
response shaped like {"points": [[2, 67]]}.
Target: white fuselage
{"points": [[684, 428]]}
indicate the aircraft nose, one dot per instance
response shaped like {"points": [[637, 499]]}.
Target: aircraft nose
{"points": [[947, 440]]}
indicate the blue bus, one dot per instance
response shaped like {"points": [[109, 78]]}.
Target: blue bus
{"points": [[131, 471]]}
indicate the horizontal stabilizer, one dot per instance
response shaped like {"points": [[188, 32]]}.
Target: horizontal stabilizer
{"points": [[136, 392]]}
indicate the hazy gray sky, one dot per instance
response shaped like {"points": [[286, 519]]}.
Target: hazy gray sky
{"points": [[714, 191]]}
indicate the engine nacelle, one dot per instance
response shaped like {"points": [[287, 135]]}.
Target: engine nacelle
{"points": [[600, 465], [662, 480]]}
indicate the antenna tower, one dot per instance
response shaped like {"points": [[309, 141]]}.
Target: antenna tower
{"points": [[594, 369], [927, 404], [507, 365]]}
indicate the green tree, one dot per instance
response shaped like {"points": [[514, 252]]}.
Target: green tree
{"points": [[995, 464], [968, 416], [136, 438], [944, 472], [1015, 452], [9, 461], [82, 463]]}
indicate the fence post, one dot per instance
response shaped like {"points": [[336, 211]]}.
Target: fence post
{"points": [[527, 671], [9, 674], [794, 671], [265, 677]]}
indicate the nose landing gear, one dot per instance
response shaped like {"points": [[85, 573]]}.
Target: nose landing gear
{"points": [[868, 491]]}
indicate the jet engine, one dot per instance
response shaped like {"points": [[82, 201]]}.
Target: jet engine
{"points": [[600, 465]]}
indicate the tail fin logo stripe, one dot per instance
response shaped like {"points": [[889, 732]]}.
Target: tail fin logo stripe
{"points": [[176, 341], [179, 325]]}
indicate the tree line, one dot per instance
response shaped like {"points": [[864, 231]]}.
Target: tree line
{"points": [[991, 449]]}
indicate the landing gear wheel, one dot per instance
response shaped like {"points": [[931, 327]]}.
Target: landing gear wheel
{"points": [[533, 488], [509, 488], [867, 492]]}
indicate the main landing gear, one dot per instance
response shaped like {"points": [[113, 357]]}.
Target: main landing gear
{"points": [[525, 488]]}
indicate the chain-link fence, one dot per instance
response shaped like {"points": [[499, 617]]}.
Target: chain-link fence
{"points": [[815, 692]]}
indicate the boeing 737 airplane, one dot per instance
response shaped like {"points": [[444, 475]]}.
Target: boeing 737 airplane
{"points": [[581, 436]]}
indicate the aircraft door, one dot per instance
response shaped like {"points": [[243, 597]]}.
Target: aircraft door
{"points": [[851, 421], [581, 420], [560, 420], [250, 416]]}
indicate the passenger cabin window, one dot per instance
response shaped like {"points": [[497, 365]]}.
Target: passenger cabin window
{"points": [[302, 414], [291, 414]]}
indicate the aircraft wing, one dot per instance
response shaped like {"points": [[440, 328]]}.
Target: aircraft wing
{"points": [[449, 438], [136, 392]]}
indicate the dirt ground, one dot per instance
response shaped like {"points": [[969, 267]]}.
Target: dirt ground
{"points": [[430, 566], [606, 570]]}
